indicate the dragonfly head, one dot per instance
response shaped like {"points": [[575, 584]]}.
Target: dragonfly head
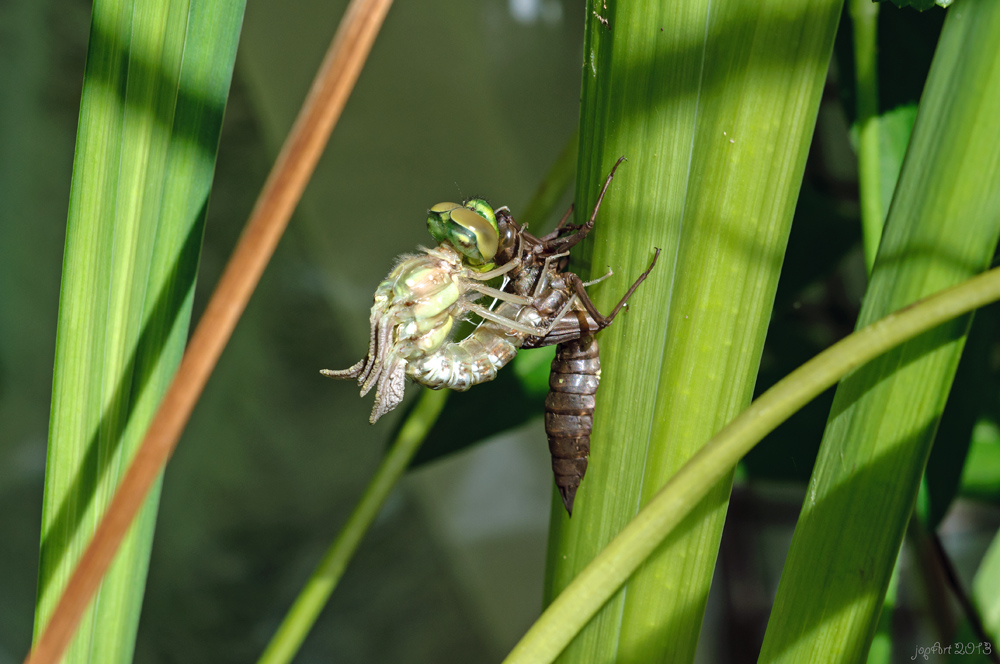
{"points": [[470, 228]]}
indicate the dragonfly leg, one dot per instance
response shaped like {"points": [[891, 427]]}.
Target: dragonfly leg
{"points": [[503, 269], [508, 323], [543, 278], [562, 227], [500, 294], [576, 283], [599, 279], [567, 241], [562, 314]]}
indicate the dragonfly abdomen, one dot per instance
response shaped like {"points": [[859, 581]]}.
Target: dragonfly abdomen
{"points": [[569, 412], [473, 360]]}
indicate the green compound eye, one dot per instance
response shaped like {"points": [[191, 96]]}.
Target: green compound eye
{"points": [[471, 229], [438, 218], [484, 236], [483, 209]]}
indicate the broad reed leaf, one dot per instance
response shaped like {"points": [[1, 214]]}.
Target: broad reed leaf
{"points": [[942, 228], [155, 88], [713, 104]]}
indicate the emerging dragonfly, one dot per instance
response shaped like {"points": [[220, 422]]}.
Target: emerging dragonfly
{"points": [[540, 304], [417, 304]]}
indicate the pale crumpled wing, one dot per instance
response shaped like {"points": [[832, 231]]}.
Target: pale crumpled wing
{"points": [[390, 390], [382, 366], [382, 334], [376, 322], [353, 372], [379, 342]]}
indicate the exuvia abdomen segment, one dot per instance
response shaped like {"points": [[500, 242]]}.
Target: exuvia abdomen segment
{"points": [[569, 412]]}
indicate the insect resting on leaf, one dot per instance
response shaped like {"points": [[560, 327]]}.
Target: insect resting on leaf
{"points": [[540, 304]]}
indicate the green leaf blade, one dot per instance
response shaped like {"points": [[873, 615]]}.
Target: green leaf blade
{"points": [[154, 92], [942, 228], [715, 115]]}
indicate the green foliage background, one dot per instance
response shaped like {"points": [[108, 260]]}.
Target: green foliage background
{"points": [[452, 103]]}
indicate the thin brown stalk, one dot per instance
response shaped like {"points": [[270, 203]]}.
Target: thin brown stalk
{"points": [[281, 193]]}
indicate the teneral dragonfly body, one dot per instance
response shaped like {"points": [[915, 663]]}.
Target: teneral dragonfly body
{"points": [[540, 304], [417, 304]]}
